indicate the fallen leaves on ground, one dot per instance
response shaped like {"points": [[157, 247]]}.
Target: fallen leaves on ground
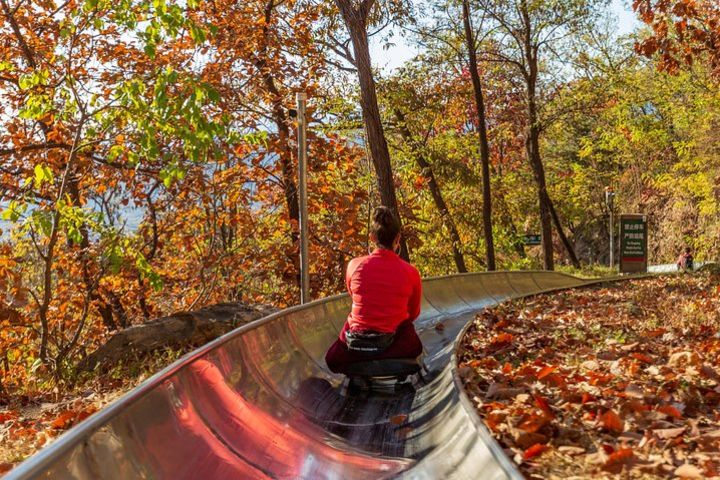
{"points": [[614, 379], [28, 426], [31, 422]]}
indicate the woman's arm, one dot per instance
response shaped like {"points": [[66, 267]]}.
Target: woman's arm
{"points": [[352, 266], [416, 296]]}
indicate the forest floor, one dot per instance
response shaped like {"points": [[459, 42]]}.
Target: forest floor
{"points": [[30, 421], [620, 378]]}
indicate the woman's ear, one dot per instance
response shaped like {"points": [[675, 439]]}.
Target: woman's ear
{"points": [[396, 242], [373, 238]]}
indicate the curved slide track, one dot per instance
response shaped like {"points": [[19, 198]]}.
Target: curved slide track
{"points": [[260, 403]]}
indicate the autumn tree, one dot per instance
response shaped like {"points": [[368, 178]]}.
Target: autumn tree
{"points": [[442, 30], [529, 37], [256, 71], [473, 68], [413, 116], [74, 128], [358, 16], [683, 32]]}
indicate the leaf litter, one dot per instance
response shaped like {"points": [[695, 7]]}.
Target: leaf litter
{"points": [[619, 378]]}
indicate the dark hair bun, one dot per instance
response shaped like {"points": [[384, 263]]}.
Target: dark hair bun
{"points": [[385, 226], [383, 216]]}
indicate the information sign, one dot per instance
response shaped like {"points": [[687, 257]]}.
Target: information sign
{"points": [[633, 243]]}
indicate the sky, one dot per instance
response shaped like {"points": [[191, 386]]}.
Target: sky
{"points": [[392, 58]]}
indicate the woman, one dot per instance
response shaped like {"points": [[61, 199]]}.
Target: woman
{"points": [[685, 260], [385, 292]]}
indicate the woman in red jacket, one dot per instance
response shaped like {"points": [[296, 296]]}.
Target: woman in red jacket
{"points": [[385, 292]]}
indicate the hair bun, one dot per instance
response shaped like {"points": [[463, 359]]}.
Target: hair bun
{"points": [[383, 216], [385, 226]]}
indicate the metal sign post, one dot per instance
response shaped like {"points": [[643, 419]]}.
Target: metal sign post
{"points": [[609, 201], [301, 98]]}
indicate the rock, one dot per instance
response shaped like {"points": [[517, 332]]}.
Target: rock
{"points": [[182, 328]]}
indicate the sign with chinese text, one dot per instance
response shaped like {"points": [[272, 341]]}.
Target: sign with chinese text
{"points": [[633, 243], [533, 239]]}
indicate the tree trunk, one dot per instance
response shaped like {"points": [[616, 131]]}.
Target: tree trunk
{"points": [[182, 328], [435, 191], [532, 142], [565, 241], [280, 118], [288, 171], [532, 146], [482, 132], [355, 18]]}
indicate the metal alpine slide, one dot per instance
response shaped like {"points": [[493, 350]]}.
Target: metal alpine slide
{"points": [[260, 403]]}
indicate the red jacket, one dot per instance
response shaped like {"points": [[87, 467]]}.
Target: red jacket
{"points": [[385, 292]]}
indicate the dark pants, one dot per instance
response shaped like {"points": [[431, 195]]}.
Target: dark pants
{"points": [[406, 344]]}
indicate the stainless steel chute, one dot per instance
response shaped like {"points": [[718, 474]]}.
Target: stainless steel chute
{"points": [[260, 403]]}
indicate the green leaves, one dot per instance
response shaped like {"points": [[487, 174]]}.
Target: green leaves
{"points": [[176, 110], [41, 220], [43, 174], [14, 211], [36, 107], [147, 273], [38, 77], [171, 174], [73, 220]]}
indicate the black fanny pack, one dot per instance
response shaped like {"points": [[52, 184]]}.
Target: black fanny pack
{"points": [[367, 342]]}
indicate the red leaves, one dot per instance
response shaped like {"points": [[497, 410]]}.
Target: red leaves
{"points": [[545, 371], [542, 403], [9, 415], [674, 45], [532, 422], [69, 418], [575, 371], [398, 419], [617, 460], [501, 340], [64, 420], [611, 421], [658, 332], [642, 358], [534, 451], [670, 411]]}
